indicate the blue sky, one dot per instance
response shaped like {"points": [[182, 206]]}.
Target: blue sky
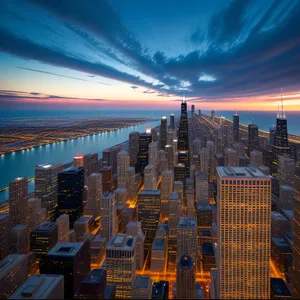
{"points": [[107, 53]]}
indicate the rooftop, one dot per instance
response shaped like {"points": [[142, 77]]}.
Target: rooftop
{"points": [[149, 193], [121, 241], [189, 222], [241, 172], [37, 287], [19, 227], [4, 215], [142, 282], [46, 226], [159, 244], [279, 288], [9, 262], [208, 249], [65, 249], [94, 277], [71, 170], [278, 215], [84, 219]]}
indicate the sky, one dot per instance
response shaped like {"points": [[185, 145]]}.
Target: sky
{"points": [[126, 54]]}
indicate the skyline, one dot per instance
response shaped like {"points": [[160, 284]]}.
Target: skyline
{"points": [[115, 54]]}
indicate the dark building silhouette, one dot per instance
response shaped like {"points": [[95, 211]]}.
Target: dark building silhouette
{"points": [[253, 141], [133, 147], [70, 192], [160, 290], [172, 121], [143, 155], [163, 132], [236, 127]]}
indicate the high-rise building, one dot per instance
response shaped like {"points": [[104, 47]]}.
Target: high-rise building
{"points": [[180, 173], [5, 226], [134, 229], [253, 141], [160, 290], [172, 121], [148, 214], [107, 181], [70, 192], [201, 181], [82, 226], [121, 264], [109, 158], [78, 160], [19, 241], [41, 286], [142, 287], [204, 161], [108, 215], [256, 158], [13, 272], [272, 135], [131, 182], [163, 132], [244, 222], [286, 170], [153, 156], [149, 178], [193, 109], [186, 278], [94, 194], [158, 254], [37, 214], [123, 165], [72, 260], [281, 146], [236, 127], [63, 225], [43, 238], [296, 243], [187, 238], [166, 189], [18, 201], [143, 154], [170, 155], [46, 187], [230, 157], [90, 164], [183, 136], [133, 147]]}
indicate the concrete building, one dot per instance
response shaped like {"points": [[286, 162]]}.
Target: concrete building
{"points": [[63, 225], [108, 214], [149, 178], [41, 286], [142, 287], [121, 264], [83, 225], [121, 196], [166, 188], [158, 254], [94, 194], [37, 214], [133, 147], [286, 170], [123, 165], [19, 239], [201, 181], [5, 227], [256, 158]]}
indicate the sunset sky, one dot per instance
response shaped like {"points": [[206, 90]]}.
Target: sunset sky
{"points": [[145, 54]]}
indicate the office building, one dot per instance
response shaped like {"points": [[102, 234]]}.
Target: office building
{"points": [[170, 156], [230, 157], [160, 290], [5, 227], [83, 225], [180, 173], [72, 260], [107, 180], [158, 254], [256, 158], [63, 225], [253, 142], [280, 224], [163, 132], [272, 135], [286, 193], [172, 121], [110, 157], [143, 155], [133, 147], [166, 188], [186, 278], [153, 156], [242, 190], [296, 243], [123, 165], [134, 229], [281, 252], [279, 289], [148, 214], [41, 286], [19, 241], [92, 286], [94, 194], [149, 178], [286, 170], [121, 196], [236, 127], [208, 257], [37, 214], [108, 215], [121, 264], [187, 238], [90, 164], [142, 287], [13, 272], [78, 160], [131, 182], [46, 186], [201, 181], [18, 201], [70, 192], [43, 238]]}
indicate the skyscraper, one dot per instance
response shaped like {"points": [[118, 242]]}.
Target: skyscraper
{"points": [[170, 154], [183, 136], [253, 142], [63, 225], [148, 214], [149, 178], [281, 146], [18, 201], [70, 192], [272, 135], [286, 170], [244, 221], [172, 121], [166, 189], [107, 181], [133, 147], [94, 194], [202, 196], [236, 127], [153, 155], [143, 154], [186, 278], [108, 214], [121, 264], [46, 186], [296, 244], [163, 132], [5, 226], [123, 165], [37, 214], [193, 109]]}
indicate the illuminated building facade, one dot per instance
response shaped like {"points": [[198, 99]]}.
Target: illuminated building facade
{"points": [[108, 214], [94, 194], [133, 147], [143, 154], [163, 132], [244, 228], [172, 121], [253, 141], [236, 127], [123, 165], [166, 189]]}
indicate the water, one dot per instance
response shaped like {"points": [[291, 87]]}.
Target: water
{"points": [[23, 163]]}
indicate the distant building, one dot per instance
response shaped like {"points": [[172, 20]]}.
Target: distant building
{"points": [[201, 181], [13, 272], [143, 155], [37, 214], [82, 226], [108, 214], [94, 194], [5, 227], [253, 142], [163, 132], [236, 127], [43, 238], [19, 241], [172, 121], [166, 189], [142, 287], [72, 260], [41, 286], [107, 179], [63, 225], [18, 201], [120, 252], [123, 165], [133, 147]]}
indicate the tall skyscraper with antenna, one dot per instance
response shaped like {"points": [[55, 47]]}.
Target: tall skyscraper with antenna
{"points": [[183, 136], [281, 146]]}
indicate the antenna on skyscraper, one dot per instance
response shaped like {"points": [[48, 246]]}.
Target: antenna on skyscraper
{"points": [[282, 112]]}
